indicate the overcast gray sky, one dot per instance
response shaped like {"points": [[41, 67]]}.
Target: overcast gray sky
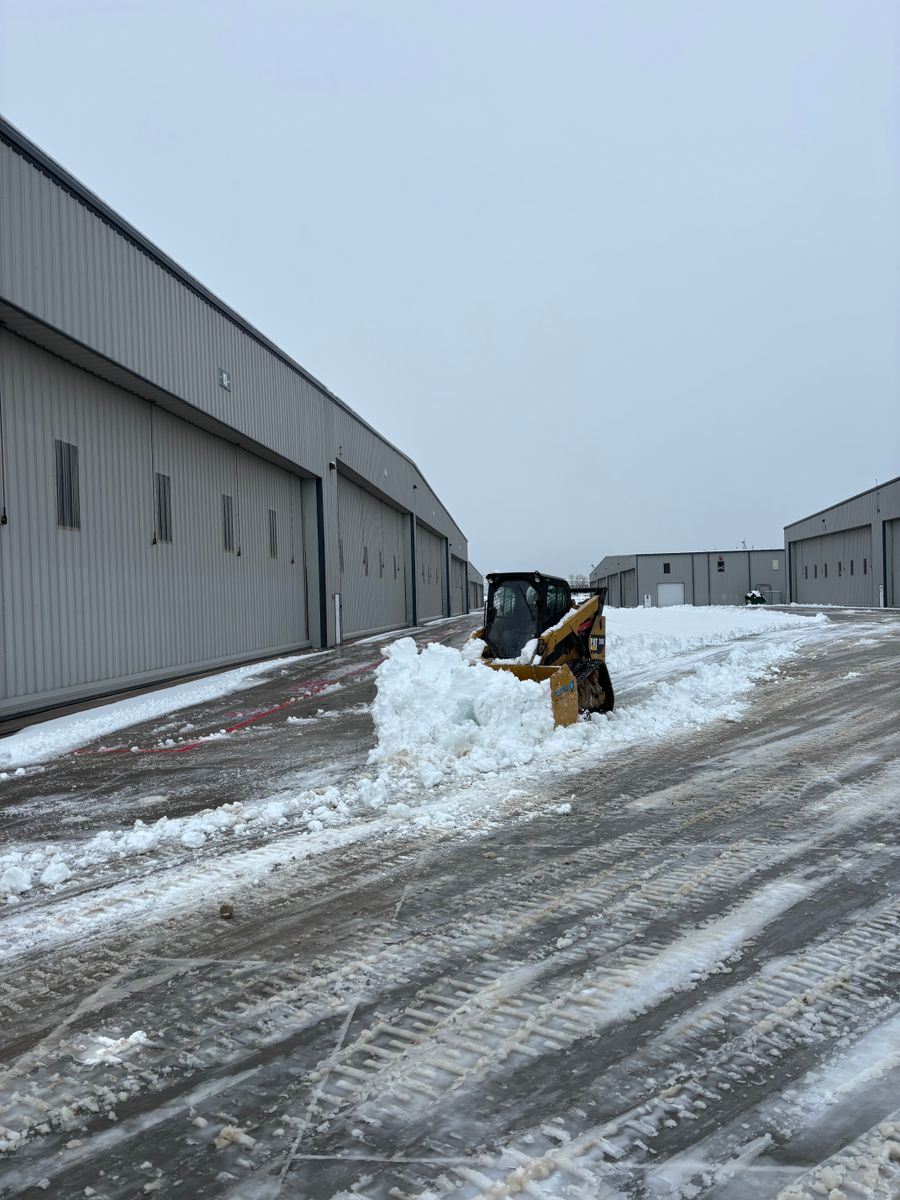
{"points": [[619, 276]]}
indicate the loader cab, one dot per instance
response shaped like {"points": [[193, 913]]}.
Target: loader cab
{"points": [[520, 607]]}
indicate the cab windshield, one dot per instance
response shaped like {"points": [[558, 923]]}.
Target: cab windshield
{"points": [[512, 618]]}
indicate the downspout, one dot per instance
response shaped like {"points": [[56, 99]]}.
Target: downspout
{"points": [[323, 583]]}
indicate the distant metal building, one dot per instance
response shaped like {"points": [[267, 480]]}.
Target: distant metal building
{"points": [[476, 589], [699, 577], [177, 493], [849, 553]]}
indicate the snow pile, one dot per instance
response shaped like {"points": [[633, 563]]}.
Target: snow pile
{"points": [[641, 637], [14, 877], [439, 715], [435, 707], [109, 1050], [312, 810]]}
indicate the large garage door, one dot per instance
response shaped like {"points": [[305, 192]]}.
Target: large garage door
{"points": [[892, 546], [835, 568], [668, 594], [457, 585], [372, 561], [629, 588], [430, 573]]}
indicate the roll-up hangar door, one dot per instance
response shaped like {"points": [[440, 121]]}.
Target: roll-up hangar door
{"points": [[892, 548], [430, 573], [835, 568], [629, 588], [457, 586], [372, 561]]}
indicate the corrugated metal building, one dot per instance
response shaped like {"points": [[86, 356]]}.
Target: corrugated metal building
{"points": [[476, 589], [697, 577], [849, 553], [177, 493]]}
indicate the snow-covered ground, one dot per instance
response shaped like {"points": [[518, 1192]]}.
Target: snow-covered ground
{"points": [[48, 739], [447, 728], [651, 955]]}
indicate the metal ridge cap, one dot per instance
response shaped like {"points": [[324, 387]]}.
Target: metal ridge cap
{"points": [[21, 143], [688, 553]]}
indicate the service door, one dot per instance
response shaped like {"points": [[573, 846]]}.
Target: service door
{"points": [[668, 594]]}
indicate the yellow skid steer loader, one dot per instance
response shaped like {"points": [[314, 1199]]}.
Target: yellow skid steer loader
{"points": [[534, 629]]}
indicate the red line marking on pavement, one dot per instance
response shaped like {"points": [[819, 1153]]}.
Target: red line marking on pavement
{"points": [[313, 688]]}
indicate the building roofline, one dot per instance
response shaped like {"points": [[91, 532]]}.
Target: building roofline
{"points": [[686, 553], [875, 488], [23, 145]]}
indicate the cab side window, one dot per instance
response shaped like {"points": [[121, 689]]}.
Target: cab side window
{"points": [[558, 603]]}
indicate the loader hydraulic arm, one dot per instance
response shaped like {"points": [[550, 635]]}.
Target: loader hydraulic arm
{"points": [[577, 620]]}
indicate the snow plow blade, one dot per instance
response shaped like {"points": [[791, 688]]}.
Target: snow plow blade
{"points": [[563, 688]]}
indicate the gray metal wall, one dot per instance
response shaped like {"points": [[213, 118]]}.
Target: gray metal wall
{"points": [[103, 604], [84, 286], [855, 529], [617, 574], [650, 574], [631, 577], [431, 574]]}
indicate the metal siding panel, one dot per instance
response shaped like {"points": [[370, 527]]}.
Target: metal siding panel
{"points": [[80, 274], [652, 572], [763, 575], [104, 604], [86, 275], [731, 585]]}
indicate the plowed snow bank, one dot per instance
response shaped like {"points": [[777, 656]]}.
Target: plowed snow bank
{"points": [[439, 715]]}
